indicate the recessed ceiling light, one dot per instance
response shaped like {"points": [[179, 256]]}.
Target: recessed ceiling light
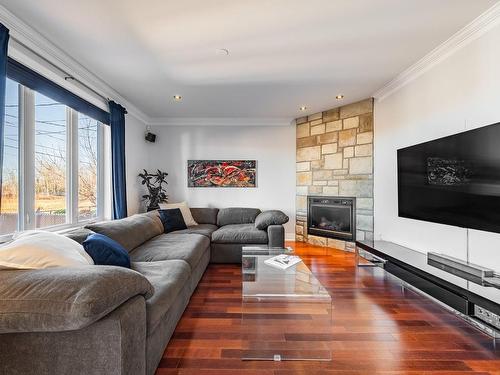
{"points": [[303, 108], [339, 97], [177, 98]]}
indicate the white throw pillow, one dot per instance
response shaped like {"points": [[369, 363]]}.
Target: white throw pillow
{"points": [[185, 211], [34, 249]]}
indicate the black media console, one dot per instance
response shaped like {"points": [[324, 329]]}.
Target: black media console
{"points": [[475, 300]]}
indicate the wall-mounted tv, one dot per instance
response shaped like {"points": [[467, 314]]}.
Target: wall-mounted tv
{"points": [[453, 180]]}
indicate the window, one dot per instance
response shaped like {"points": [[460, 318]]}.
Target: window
{"points": [[53, 163], [50, 162]]}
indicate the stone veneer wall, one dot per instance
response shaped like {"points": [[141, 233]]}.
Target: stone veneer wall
{"points": [[335, 158]]}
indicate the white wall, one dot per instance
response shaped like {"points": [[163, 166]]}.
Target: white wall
{"points": [[272, 146], [460, 93], [138, 153]]}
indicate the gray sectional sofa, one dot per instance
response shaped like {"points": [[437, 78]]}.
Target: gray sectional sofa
{"points": [[112, 320]]}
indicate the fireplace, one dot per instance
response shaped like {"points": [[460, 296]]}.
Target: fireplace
{"points": [[332, 217]]}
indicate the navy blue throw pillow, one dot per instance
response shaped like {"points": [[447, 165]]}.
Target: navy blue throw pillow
{"points": [[172, 220], [105, 251]]}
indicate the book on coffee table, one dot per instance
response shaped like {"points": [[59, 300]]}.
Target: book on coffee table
{"points": [[283, 261]]}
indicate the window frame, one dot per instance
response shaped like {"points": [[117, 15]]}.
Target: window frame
{"points": [[26, 178]]}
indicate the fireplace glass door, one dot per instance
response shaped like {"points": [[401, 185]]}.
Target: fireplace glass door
{"points": [[331, 218]]}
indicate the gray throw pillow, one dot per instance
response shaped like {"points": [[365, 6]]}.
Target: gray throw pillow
{"points": [[271, 217]]}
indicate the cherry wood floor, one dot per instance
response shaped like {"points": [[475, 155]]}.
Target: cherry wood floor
{"points": [[377, 328]]}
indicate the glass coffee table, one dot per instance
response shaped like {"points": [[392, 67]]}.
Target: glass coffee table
{"points": [[286, 314]]}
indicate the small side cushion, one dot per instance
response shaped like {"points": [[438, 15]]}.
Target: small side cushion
{"points": [[205, 215], [240, 234], [131, 231], [105, 251], [64, 299], [271, 217], [237, 215], [172, 220]]}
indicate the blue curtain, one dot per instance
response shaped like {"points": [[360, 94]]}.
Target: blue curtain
{"points": [[4, 43], [117, 123]]}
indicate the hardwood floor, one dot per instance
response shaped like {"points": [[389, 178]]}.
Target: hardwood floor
{"points": [[377, 328]]}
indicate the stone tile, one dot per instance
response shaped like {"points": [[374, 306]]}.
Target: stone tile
{"points": [[301, 202], [363, 150], [347, 137], [315, 189], [304, 178], [309, 153], [299, 238], [301, 120], [345, 164], [364, 222], [329, 148], [331, 137], [316, 122], [356, 109], [304, 166], [339, 172], [320, 183], [333, 183], [318, 129], [317, 164], [303, 130], [307, 141], [331, 190], [361, 165], [360, 235], [368, 236], [301, 190], [350, 247], [356, 188], [364, 203], [315, 116], [351, 122], [336, 244], [348, 152], [331, 115], [365, 138], [333, 161], [366, 123], [334, 126], [318, 241], [299, 229], [322, 175]]}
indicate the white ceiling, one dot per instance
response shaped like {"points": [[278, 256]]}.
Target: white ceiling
{"points": [[283, 53]]}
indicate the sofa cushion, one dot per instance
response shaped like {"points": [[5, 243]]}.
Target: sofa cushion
{"points": [[172, 220], [187, 247], [236, 215], [271, 217], [63, 299], [79, 234], [205, 215], [186, 213], [204, 229], [105, 251], [239, 233], [168, 277], [131, 231]]}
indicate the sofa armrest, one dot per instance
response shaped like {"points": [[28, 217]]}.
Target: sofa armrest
{"points": [[65, 299], [113, 345], [276, 235]]}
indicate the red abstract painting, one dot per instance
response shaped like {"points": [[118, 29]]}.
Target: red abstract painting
{"points": [[222, 173]]}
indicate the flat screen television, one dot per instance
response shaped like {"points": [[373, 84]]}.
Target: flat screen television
{"points": [[453, 180]]}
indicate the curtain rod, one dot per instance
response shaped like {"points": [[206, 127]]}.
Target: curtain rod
{"points": [[67, 76]]}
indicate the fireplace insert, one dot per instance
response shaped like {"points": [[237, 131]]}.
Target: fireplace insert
{"points": [[332, 217]]}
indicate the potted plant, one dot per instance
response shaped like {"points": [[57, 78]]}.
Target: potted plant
{"points": [[156, 185]]}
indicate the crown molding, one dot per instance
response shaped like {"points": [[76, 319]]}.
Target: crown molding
{"points": [[35, 41], [221, 121], [459, 40]]}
